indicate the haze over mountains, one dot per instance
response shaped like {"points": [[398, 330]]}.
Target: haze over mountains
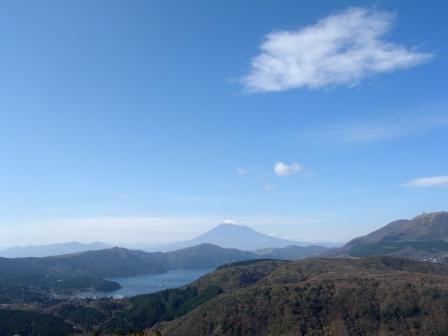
{"points": [[424, 236], [224, 235], [51, 249], [231, 236]]}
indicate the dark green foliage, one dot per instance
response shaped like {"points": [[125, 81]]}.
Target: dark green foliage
{"points": [[85, 317], [27, 288], [242, 263], [105, 285], [292, 252], [146, 310], [27, 323]]}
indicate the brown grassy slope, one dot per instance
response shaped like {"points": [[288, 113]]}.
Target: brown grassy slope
{"points": [[422, 237], [373, 296]]}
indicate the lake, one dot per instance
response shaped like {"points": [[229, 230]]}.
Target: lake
{"points": [[150, 283]]}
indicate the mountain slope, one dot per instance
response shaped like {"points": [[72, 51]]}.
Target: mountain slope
{"points": [[231, 236], [51, 250], [117, 262], [425, 227], [374, 296], [421, 237], [146, 310], [292, 252], [205, 256], [35, 278]]}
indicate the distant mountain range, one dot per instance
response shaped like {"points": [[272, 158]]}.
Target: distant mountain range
{"points": [[423, 237], [230, 236], [68, 273], [51, 249], [65, 270], [224, 235]]}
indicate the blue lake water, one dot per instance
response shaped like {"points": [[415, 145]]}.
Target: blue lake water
{"points": [[150, 283]]}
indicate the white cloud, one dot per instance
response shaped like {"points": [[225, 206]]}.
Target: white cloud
{"points": [[268, 187], [282, 169], [426, 182], [241, 171], [394, 126], [340, 49], [52, 210]]}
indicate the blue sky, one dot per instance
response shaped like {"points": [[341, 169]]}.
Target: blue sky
{"points": [[155, 120]]}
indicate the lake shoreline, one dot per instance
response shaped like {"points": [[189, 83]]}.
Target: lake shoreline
{"points": [[147, 283]]}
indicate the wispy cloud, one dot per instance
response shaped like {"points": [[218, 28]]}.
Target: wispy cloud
{"points": [[268, 187], [283, 169], [121, 196], [242, 171], [374, 130], [427, 182], [182, 198], [341, 49]]}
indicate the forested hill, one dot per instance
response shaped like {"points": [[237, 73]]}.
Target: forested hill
{"points": [[373, 296]]}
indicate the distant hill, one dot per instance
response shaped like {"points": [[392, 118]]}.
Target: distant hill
{"points": [[67, 273], [292, 252], [35, 279], [422, 237], [205, 256], [51, 249], [231, 236]]}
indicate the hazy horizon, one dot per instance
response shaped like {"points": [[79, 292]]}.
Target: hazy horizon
{"points": [[170, 236], [307, 225]]}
